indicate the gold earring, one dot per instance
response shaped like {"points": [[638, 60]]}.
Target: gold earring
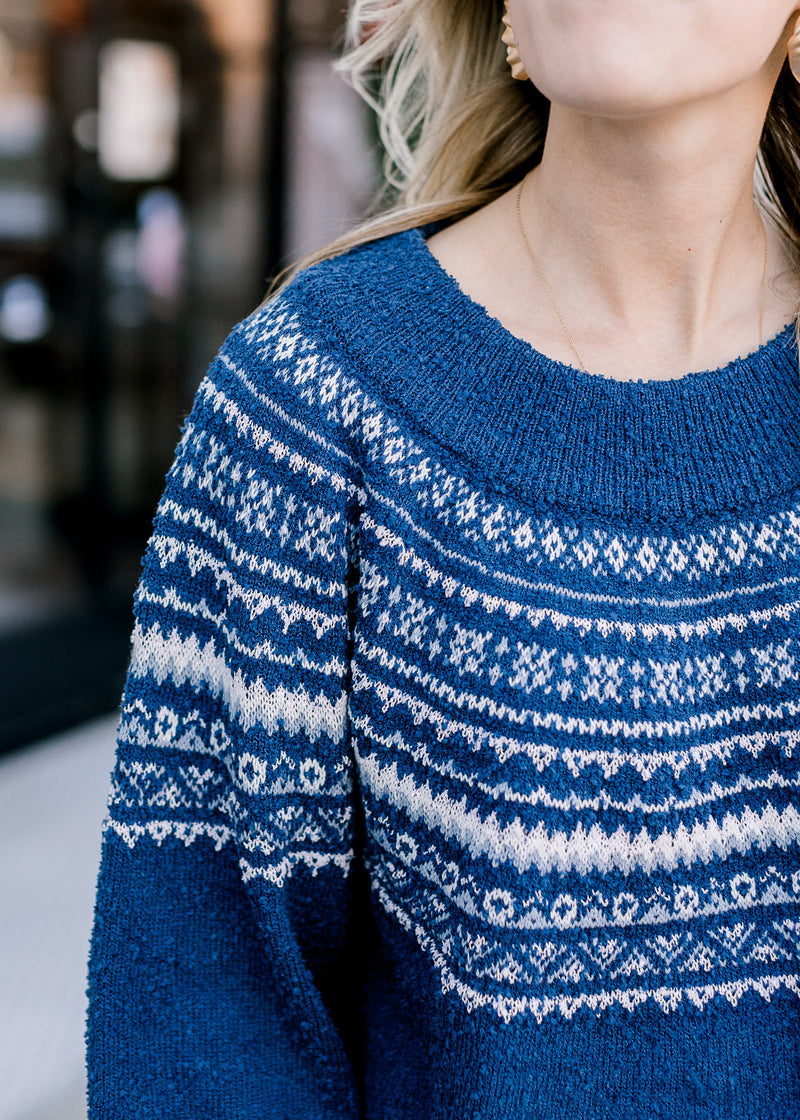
{"points": [[794, 52], [518, 70]]}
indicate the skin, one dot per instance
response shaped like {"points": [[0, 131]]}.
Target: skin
{"points": [[642, 211]]}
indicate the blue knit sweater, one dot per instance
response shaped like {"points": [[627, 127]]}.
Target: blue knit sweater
{"points": [[459, 760]]}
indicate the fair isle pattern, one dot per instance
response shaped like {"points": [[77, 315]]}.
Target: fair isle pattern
{"points": [[560, 752], [578, 750], [404, 614], [424, 484]]}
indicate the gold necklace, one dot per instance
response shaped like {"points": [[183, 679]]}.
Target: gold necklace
{"points": [[555, 306]]}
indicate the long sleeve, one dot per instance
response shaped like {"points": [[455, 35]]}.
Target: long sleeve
{"points": [[223, 976], [458, 767]]}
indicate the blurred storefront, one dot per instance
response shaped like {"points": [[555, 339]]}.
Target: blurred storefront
{"points": [[159, 160]]}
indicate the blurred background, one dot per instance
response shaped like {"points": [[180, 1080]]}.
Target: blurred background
{"points": [[160, 161]]}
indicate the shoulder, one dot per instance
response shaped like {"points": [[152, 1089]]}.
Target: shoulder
{"points": [[355, 349], [345, 302], [289, 381], [310, 350]]}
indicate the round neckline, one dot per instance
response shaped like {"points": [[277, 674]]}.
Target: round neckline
{"points": [[492, 326], [516, 422]]}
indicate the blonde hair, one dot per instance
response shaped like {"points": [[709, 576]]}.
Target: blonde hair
{"points": [[458, 130]]}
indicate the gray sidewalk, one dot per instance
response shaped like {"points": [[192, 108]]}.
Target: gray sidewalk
{"points": [[52, 802]]}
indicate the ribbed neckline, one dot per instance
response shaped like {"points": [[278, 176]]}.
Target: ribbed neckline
{"points": [[672, 451]]}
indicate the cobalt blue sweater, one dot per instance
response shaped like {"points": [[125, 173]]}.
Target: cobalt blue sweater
{"points": [[459, 757]]}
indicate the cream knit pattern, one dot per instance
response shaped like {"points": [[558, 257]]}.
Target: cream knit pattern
{"points": [[459, 761]]}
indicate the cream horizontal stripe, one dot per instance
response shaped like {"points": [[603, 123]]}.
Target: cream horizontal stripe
{"points": [[159, 831], [169, 549], [506, 747], [485, 704], [435, 576], [262, 439], [253, 562], [277, 709], [501, 908], [509, 1007], [572, 804], [264, 651], [701, 628], [277, 873], [291, 422], [581, 850]]}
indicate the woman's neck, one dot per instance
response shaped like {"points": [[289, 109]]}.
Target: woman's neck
{"points": [[647, 230], [648, 237]]}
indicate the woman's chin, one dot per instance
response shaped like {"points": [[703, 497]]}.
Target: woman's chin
{"points": [[617, 96]]}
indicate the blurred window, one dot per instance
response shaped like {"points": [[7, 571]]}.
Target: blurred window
{"points": [[139, 110], [158, 161]]}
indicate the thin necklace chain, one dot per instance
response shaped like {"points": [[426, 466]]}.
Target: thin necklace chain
{"points": [[557, 310]]}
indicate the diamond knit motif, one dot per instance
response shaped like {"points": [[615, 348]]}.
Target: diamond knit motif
{"points": [[461, 738]]}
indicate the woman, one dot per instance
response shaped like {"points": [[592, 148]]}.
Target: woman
{"points": [[457, 771]]}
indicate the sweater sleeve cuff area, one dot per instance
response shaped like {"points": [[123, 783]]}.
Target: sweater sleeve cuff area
{"points": [[192, 1012]]}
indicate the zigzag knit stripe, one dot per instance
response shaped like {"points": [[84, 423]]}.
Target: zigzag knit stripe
{"points": [[268, 651], [566, 548], [635, 899], [445, 726], [509, 1006], [262, 438], [293, 711], [169, 550], [277, 572], [581, 850], [730, 785]]}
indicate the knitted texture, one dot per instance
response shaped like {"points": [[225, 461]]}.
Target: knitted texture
{"points": [[457, 771]]}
